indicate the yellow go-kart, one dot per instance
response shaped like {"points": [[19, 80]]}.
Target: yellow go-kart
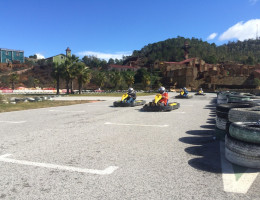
{"points": [[124, 103], [200, 93], [156, 106], [182, 96]]}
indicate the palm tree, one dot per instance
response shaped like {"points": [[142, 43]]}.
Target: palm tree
{"points": [[129, 78], [116, 78], [146, 80], [99, 78], [56, 74], [69, 71], [82, 74]]}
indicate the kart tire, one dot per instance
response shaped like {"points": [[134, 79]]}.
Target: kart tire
{"points": [[245, 131], [122, 104], [242, 153], [183, 97], [244, 114], [139, 103], [200, 94], [149, 108]]}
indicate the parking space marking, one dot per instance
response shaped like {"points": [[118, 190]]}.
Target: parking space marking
{"points": [[231, 184], [13, 122], [107, 171], [119, 124], [80, 111]]}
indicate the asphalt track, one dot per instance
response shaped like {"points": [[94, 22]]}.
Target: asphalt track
{"points": [[97, 151]]}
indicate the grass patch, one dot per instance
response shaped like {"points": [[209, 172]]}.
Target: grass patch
{"points": [[40, 104], [138, 94]]}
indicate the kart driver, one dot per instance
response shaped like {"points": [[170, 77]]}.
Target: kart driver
{"points": [[131, 95], [201, 91], [185, 92], [165, 96]]}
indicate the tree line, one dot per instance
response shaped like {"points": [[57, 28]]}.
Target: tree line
{"points": [[243, 52], [75, 69]]}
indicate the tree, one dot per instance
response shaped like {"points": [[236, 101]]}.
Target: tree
{"points": [[82, 74], [116, 78], [69, 71], [129, 78], [13, 78], [146, 81], [56, 74], [99, 78]]}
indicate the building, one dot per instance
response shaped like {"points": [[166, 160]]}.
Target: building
{"points": [[11, 56], [122, 68], [60, 58]]}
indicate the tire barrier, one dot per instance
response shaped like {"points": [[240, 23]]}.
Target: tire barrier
{"points": [[242, 153], [245, 131], [220, 134], [221, 123], [238, 98], [244, 114]]}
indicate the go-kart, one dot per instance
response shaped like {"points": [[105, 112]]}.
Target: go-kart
{"points": [[155, 105], [200, 93], [124, 103], [182, 96]]}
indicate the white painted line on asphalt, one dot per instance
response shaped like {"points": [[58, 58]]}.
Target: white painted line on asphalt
{"points": [[119, 124], [13, 122], [241, 185], [107, 171], [178, 112], [80, 111]]}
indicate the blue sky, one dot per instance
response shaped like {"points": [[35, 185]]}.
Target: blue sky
{"points": [[112, 28]]}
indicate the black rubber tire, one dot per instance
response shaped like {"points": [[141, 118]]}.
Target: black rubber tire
{"points": [[139, 102], [200, 94], [221, 123], [150, 108], [242, 153], [124, 104], [238, 98], [222, 114], [245, 131], [226, 107], [220, 134], [244, 114], [183, 97]]}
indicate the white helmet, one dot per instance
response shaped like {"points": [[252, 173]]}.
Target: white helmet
{"points": [[130, 91], [161, 90]]}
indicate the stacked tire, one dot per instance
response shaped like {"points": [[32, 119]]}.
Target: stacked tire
{"points": [[240, 98], [242, 144], [222, 117]]}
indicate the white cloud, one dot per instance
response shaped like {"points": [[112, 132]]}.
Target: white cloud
{"points": [[39, 56], [253, 2], [212, 36], [105, 56], [242, 31]]}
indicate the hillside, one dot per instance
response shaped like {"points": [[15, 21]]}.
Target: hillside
{"points": [[246, 52]]}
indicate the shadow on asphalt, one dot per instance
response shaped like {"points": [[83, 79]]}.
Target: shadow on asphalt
{"points": [[204, 145]]}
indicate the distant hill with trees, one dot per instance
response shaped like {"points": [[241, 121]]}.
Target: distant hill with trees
{"points": [[244, 52]]}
